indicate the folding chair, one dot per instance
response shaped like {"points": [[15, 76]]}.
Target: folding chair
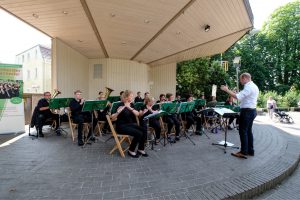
{"points": [[73, 126], [119, 139], [164, 131], [100, 125]]}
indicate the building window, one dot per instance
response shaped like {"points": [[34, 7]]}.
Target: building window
{"points": [[28, 56], [35, 54], [23, 59], [97, 71]]}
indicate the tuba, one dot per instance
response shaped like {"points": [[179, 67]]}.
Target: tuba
{"points": [[107, 92], [55, 93]]}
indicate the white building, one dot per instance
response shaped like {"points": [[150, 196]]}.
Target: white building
{"points": [[36, 63]]}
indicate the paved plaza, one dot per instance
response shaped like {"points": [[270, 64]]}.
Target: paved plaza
{"points": [[55, 168]]}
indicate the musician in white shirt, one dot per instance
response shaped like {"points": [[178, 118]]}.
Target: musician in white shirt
{"points": [[248, 100]]}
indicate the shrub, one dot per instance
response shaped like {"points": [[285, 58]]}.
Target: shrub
{"points": [[290, 99]]}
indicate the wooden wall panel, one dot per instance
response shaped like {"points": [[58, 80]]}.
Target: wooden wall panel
{"points": [[69, 69], [162, 79]]}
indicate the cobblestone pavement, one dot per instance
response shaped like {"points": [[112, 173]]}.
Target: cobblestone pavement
{"points": [[290, 187], [55, 168]]}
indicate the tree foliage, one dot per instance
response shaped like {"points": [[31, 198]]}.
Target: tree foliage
{"points": [[271, 56]]}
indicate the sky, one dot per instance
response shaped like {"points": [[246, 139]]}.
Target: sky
{"points": [[16, 36]]}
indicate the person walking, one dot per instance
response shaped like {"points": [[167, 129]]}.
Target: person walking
{"points": [[271, 105], [248, 100]]}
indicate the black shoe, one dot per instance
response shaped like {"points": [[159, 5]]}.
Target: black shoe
{"points": [[229, 128], [177, 138], [58, 132], [93, 139], [131, 155], [198, 133], [41, 134], [80, 143], [171, 140], [250, 154], [142, 154]]}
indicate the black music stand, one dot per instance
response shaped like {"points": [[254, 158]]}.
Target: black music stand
{"points": [[225, 113], [154, 115], [185, 107], [57, 103], [169, 108], [90, 106]]}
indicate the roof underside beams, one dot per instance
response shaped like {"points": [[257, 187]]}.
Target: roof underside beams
{"points": [[154, 32]]}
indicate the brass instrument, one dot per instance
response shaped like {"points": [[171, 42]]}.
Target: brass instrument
{"points": [[55, 93], [108, 91]]}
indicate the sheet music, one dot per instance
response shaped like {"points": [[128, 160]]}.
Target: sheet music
{"points": [[222, 111], [153, 114]]}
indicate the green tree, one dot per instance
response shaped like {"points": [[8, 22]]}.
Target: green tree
{"points": [[282, 31], [198, 75]]}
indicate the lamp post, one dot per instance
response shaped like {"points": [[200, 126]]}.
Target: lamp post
{"points": [[237, 65]]}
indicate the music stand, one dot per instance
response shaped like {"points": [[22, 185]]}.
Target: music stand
{"points": [[170, 108], [225, 113], [138, 105], [184, 108], [154, 115], [57, 103], [91, 106], [199, 103], [113, 99], [114, 107]]}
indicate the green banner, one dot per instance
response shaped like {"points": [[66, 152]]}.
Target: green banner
{"points": [[11, 98]]}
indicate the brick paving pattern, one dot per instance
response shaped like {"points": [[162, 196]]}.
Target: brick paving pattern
{"points": [[55, 168]]}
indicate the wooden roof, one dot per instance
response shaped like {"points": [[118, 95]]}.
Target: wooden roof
{"points": [[148, 31]]}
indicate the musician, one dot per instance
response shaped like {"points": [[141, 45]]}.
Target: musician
{"points": [[162, 98], [192, 117], [248, 100], [146, 94], [126, 124], [100, 95], [212, 103], [229, 102], [172, 120], [153, 122], [102, 113], [138, 98], [178, 98], [45, 113], [80, 117]]}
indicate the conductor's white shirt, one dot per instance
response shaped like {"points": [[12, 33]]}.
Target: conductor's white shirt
{"points": [[248, 96]]}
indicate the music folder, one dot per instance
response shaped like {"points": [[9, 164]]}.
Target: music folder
{"points": [[57, 103], [94, 105]]}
